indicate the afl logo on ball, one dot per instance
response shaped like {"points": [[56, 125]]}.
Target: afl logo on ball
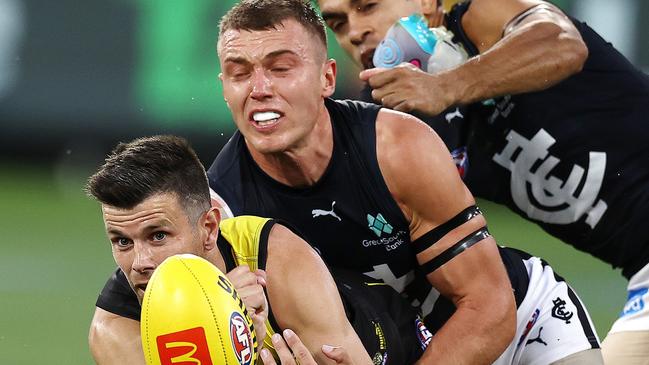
{"points": [[241, 338], [423, 334]]}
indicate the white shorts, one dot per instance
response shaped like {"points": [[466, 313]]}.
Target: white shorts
{"points": [[552, 323], [635, 315]]}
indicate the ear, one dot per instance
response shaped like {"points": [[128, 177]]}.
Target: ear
{"points": [[210, 225], [329, 78], [221, 80]]}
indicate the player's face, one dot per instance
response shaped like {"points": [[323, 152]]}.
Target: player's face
{"points": [[142, 237], [274, 82], [360, 25]]}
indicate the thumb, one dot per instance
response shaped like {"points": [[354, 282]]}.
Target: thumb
{"points": [[337, 354]]}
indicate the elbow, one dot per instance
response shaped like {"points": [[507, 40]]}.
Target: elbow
{"points": [[576, 55], [564, 47]]}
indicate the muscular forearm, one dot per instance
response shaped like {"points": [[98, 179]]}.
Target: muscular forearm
{"points": [[534, 57], [472, 336]]}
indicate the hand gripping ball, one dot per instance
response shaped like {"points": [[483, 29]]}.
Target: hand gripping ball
{"points": [[191, 314]]}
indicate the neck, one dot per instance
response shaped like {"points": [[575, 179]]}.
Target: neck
{"points": [[304, 164], [214, 257]]}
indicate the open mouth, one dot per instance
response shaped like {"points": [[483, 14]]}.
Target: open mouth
{"points": [[265, 119], [367, 59]]}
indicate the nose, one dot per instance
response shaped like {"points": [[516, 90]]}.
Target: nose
{"points": [[359, 29], [261, 85], [143, 262]]}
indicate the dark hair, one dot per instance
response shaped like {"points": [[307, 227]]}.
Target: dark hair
{"points": [[147, 166], [267, 14]]}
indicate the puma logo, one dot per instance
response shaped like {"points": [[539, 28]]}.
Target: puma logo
{"points": [[320, 212], [537, 339], [450, 116]]}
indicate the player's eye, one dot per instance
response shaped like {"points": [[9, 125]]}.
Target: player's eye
{"points": [[337, 26], [159, 236], [121, 242], [368, 6]]}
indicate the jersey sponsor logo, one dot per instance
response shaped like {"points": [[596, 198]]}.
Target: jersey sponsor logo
{"points": [[423, 334], [455, 114], [559, 310], [184, 347], [544, 197], [461, 160], [502, 108], [241, 339], [529, 325], [635, 302], [378, 331], [389, 243], [321, 213], [378, 225]]}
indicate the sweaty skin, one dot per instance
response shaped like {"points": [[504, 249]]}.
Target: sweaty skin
{"points": [[143, 236], [297, 148]]}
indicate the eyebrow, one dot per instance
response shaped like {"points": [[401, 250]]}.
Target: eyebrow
{"points": [[326, 15], [271, 55], [148, 228]]}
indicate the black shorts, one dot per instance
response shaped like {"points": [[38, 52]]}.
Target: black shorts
{"points": [[385, 322]]}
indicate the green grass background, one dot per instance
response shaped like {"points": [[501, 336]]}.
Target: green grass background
{"points": [[54, 259]]}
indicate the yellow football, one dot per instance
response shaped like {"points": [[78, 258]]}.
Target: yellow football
{"points": [[191, 314]]}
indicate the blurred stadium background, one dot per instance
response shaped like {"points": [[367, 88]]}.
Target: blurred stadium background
{"points": [[76, 77]]}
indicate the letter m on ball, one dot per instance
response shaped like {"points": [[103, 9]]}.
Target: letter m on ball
{"points": [[184, 347]]}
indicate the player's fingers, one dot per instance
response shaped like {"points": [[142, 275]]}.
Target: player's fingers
{"points": [[366, 74], [403, 106], [385, 96], [383, 78], [259, 321], [267, 358], [300, 351], [337, 354], [392, 100], [261, 277], [284, 353], [241, 276], [407, 66]]}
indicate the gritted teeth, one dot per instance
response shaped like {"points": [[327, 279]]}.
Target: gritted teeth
{"points": [[264, 116]]}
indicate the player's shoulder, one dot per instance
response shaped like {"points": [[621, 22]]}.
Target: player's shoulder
{"points": [[394, 127]]}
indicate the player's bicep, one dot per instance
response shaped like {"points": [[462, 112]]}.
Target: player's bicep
{"points": [[448, 231], [115, 340], [304, 297]]}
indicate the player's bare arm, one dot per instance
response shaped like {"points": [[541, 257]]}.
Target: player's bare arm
{"points": [[460, 258], [304, 298], [524, 45], [115, 340]]}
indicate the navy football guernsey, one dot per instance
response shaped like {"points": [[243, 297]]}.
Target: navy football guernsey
{"points": [[573, 158], [349, 215]]}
